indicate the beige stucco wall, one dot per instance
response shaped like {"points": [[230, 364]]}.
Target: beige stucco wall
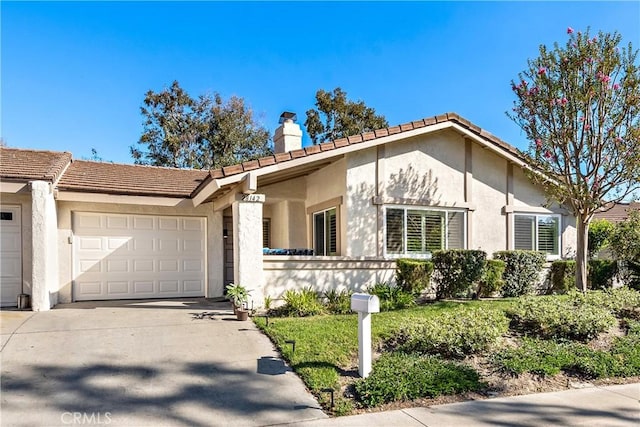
{"points": [[214, 237], [285, 208], [361, 214], [430, 171], [488, 195], [427, 167], [282, 273], [23, 199], [326, 184]]}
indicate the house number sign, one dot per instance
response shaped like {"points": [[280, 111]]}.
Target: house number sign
{"points": [[259, 198]]}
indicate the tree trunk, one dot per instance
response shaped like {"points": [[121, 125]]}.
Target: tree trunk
{"points": [[581, 252]]}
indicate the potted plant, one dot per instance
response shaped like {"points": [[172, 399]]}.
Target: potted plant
{"points": [[239, 296]]}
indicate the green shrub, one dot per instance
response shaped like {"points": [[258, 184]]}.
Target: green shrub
{"points": [[413, 275], [547, 357], [617, 301], [553, 317], [625, 239], [600, 231], [391, 297], [534, 355], [562, 277], [630, 274], [457, 270], [451, 334], [304, 302], [491, 281], [521, 272], [601, 273], [338, 302], [397, 377]]}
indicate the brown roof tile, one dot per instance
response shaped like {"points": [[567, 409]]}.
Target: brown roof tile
{"points": [[282, 157], [380, 133], [326, 146], [405, 127], [250, 165], [296, 154], [430, 121], [354, 139], [112, 178], [312, 149], [232, 170], [267, 161], [367, 136], [17, 164], [393, 130], [341, 142], [618, 212]]}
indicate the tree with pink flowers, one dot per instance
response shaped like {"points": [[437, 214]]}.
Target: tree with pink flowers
{"points": [[579, 106]]}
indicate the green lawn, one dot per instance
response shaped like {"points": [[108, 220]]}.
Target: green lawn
{"points": [[326, 346]]}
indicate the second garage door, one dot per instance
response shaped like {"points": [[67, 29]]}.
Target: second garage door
{"points": [[138, 256]]}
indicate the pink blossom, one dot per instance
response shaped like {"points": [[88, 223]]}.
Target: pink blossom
{"points": [[569, 30], [581, 119], [595, 40], [538, 144], [542, 70], [548, 155], [563, 101], [587, 127], [589, 60], [616, 86]]}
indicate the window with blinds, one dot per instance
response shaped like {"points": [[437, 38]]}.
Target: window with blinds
{"points": [[537, 233], [325, 232], [422, 231], [266, 232]]}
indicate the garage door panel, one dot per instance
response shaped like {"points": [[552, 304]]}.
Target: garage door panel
{"points": [[10, 255], [168, 224], [137, 256], [91, 243], [118, 288], [117, 266], [89, 288]]}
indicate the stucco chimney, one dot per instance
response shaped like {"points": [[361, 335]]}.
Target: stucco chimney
{"points": [[288, 135]]}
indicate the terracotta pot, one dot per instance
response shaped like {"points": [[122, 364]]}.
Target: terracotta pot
{"points": [[242, 314]]}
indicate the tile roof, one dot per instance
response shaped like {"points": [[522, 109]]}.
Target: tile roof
{"points": [[138, 180], [366, 136], [618, 212], [17, 164]]}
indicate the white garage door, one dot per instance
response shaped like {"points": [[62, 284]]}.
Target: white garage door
{"points": [[10, 255], [138, 256]]}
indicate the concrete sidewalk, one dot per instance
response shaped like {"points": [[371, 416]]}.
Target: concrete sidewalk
{"points": [[596, 406]]}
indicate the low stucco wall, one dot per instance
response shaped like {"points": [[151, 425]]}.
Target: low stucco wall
{"points": [[282, 273]]}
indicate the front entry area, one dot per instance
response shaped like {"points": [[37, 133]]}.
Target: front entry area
{"points": [[10, 255], [118, 256]]}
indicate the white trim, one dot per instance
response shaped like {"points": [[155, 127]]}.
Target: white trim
{"points": [[13, 187], [550, 257], [73, 196], [313, 226]]}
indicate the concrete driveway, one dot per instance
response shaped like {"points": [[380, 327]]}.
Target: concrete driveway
{"points": [[144, 363]]}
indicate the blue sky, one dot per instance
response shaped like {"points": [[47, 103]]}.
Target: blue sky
{"points": [[74, 74]]}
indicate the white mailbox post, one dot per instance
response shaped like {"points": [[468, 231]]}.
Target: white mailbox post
{"points": [[364, 305]]}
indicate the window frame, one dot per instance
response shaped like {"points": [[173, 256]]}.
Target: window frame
{"points": [[537, 216], [266, 232], [324, 222], [405, 209]]}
